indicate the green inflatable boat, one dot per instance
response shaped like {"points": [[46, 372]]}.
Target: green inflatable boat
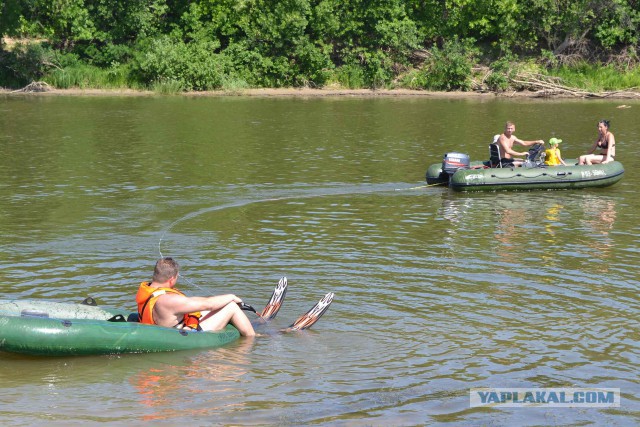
{"points": [[59, 329], [463, 175]]}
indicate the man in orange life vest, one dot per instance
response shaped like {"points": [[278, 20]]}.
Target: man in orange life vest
{"points": [[161, 304]]}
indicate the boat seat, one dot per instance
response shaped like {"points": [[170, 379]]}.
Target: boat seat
{"points": [[494, 155], [133, 317]]}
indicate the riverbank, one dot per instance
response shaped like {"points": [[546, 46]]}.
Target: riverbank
{"points": [[324, 92]]}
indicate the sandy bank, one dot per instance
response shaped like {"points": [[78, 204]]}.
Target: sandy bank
{"points": [[308, 92]]}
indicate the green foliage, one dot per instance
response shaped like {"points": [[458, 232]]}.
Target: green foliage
{"points": [[372, 26], [311, 64], [363, 69], [86, 76], [234, 84], [10, 15], [596, 78], [276, 49], [449, 68], [192, 66], [413, 79], [119, 22], [167, 87], [62, 22], [255, 68], [22, 65], [502, 70], [350, 76], [617, 23], [586, 28], [209, 44], [105, 55]]}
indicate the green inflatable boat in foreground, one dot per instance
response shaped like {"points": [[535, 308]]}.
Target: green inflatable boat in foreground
{"points": [[463, 175], [59, 329]]}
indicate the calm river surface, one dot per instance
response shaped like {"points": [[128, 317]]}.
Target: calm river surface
{"points": [[436, 292]]}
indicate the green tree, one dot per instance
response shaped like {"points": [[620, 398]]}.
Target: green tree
{"points": [[309, 42], [376, 36], [10, 13], [62, 22], [585, 27]]}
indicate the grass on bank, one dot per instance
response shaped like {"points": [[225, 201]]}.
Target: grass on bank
{"points": [[586, 77], [497, 78], [89, 77], [598, 78]]}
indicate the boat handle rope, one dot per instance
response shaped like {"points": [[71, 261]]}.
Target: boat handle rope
{"points": [[559, 175]]}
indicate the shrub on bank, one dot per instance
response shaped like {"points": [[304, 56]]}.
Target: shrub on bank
{"points": [[189, 66], [445, 69], [22, 64], [502, 71]]}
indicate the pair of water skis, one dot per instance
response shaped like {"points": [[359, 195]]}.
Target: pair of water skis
{"points": [[275, 303]]}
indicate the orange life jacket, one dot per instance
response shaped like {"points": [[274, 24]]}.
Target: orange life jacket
{"points": [[147, 297]]}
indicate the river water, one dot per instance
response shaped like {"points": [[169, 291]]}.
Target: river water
{"points": [[436, 292]]}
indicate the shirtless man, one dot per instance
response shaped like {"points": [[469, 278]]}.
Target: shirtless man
{"points": [[506, 141], [160, 304]]}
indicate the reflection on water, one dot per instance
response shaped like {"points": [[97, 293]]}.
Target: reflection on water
{"points": [[171, 391], [597, 224], [507, 222], [552, 222]]}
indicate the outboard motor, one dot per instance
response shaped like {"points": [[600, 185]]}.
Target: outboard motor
{"points": [[454, 161]]}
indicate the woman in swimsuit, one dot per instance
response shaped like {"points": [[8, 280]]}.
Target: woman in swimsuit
{"points": [[606, 143]]}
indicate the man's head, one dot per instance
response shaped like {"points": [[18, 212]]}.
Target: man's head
{"points": [[509, 128], [165, 269]]}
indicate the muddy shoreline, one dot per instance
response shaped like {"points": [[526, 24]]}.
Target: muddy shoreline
{"points": [[308, 92]]}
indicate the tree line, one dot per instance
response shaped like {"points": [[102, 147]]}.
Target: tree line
{"points": [[213, 44]]}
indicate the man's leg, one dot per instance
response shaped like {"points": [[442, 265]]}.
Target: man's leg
{"points": [[230, 313]]}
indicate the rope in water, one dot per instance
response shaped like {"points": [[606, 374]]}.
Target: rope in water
{"points": [[242, 203]]}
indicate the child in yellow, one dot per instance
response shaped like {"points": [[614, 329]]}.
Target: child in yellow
{"points": [[552, 154]]}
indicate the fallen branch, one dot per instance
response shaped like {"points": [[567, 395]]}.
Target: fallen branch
{"points": [[545, 86], [34, 87]]}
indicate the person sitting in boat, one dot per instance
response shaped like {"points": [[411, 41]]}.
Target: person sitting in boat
{"points": [[552, 154], [506, 141], [606, 143], [159, 303]]}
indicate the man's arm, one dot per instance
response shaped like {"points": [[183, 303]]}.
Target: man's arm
{"points": [[528, 143], [182, 304]]}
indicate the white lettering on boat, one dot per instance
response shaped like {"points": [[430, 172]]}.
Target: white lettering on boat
{"points": [[472, 177], [593, 173]]}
